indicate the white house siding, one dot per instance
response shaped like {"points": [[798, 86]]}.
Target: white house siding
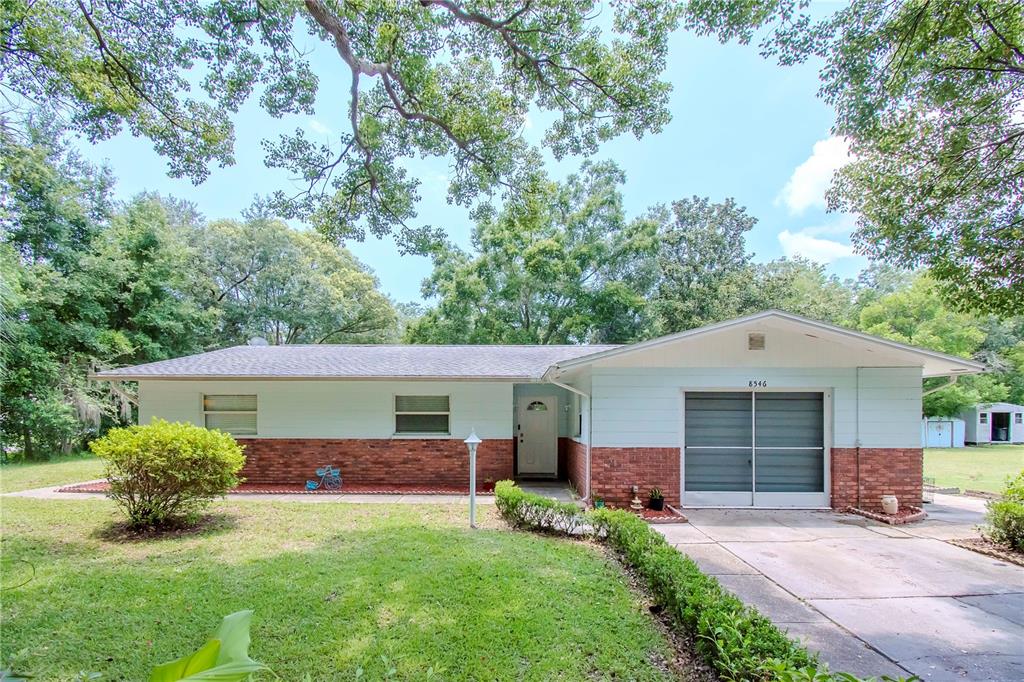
{"points": [[334, 409], [642, 407]]}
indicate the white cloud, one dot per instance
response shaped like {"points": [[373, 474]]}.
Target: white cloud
{"points": [[318, 127], [810, 242], [806, 186]]}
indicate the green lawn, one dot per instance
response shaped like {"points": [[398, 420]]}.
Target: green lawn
{"points": [[335, 588], [974, 468], [65, 469]]}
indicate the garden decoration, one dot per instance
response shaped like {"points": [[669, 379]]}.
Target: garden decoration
{"points": [[330, 478]]}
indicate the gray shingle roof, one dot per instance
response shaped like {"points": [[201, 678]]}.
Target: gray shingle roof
{"points": [[353, 362]]}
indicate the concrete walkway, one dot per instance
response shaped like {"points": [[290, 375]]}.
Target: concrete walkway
{"points": [[555, 489], [51, 493], [872, 599]]}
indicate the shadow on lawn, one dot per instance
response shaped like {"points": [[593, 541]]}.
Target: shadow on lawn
{"points": [[424, 601], [205, 525]]}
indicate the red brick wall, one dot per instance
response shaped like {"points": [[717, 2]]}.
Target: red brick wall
{"points": [[614, 470], [883, 471], [576, 465], [440, 462]]}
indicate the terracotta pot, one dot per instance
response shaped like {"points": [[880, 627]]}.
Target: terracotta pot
{"points": [[890, 505]]}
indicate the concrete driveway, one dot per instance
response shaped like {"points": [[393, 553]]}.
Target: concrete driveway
{"points": [[872, 599]]}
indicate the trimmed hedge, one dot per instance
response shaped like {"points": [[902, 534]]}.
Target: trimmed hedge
{"points": [[734, 639], [534, 512]]}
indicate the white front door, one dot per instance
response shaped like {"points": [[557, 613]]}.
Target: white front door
{"points": [[537, 430]]}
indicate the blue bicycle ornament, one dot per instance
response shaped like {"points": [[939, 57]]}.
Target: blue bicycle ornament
{"points": [[330, 479]]}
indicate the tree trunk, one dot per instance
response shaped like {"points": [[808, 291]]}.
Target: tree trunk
{"points": [[26, 450]]}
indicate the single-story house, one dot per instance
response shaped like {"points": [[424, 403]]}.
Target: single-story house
{"points": [[942, 432], [994, 423], [768, 410]]}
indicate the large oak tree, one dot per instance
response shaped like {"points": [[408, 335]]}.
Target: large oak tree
{"points": [[441, 78]]}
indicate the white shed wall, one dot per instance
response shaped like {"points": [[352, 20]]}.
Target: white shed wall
{"points": [[642, 406], [942, 432], [334, 409]]}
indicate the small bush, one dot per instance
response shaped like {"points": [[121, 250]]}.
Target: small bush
{"points": [[534, 512], [1006, 516], [164, 472]]}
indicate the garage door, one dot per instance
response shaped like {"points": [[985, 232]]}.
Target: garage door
{"points": [[754, 449]]}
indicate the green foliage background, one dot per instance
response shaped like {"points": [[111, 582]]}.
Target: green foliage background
{"points": [[89, 283]]}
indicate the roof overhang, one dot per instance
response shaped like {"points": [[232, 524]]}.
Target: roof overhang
{"points": [[114, 376], [933, 363]]}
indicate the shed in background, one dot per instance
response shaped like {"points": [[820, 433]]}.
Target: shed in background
{"points": [[942, 432], [994, 423]]}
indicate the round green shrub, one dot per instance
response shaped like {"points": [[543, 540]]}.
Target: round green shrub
{"points": [[163, 472], [1006, 515]]}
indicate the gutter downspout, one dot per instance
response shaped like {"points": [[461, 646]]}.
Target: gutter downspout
{"points": [[590, 422], [856, 432]]}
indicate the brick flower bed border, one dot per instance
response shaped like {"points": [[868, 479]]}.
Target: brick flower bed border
{"points": [[992, 549], [103, 486], [909, 514]]}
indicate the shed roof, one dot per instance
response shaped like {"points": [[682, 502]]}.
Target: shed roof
{"points": [[322, 361], [998, 407]]}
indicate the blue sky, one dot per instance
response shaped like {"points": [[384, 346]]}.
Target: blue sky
{"points": [[741, 127]]}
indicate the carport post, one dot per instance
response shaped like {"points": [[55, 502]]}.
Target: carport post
{"points": [[471, 443]]}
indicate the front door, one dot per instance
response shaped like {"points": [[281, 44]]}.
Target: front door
{"points": [[537, 430]]}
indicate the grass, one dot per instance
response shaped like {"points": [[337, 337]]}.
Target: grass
{"points": [[63, 469], [336, 589], [982, 468]]}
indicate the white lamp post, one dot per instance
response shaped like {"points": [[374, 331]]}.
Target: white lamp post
{"points": [[471, 443]]}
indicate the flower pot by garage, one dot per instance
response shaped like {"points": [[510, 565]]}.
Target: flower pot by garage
{"points": [[890, 505], [657, 504]]}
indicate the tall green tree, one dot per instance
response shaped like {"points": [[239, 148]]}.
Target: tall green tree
{"points": [[919, 316], [268, 280], [929, 94], [703, 263], [559, 264], [798, 286], [88, 283], [445, 78]]}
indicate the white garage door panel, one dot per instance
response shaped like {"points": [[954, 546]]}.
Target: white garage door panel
{"points": [[763, 449]]}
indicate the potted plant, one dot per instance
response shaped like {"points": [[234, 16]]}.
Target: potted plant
{"points": [[656, 500]]}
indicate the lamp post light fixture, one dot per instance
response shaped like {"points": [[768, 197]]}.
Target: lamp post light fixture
{"points": [[472, 442]]}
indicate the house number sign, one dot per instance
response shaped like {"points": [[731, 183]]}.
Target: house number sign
{"points": [[758, 383]]}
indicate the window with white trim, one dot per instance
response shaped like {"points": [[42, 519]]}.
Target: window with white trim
{"points": [[234, 414], [426, 414], [983, 418], [1018, 418]]}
